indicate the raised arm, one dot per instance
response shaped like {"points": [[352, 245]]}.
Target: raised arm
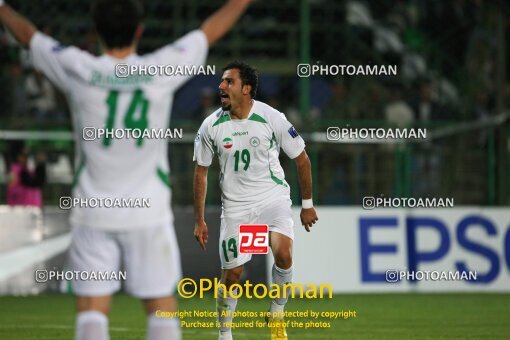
{"points": [[308, 214], [221, 21], [22, 29], [200, 191]]}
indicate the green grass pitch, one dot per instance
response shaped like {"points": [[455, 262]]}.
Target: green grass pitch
{"points": [[378, 316]]}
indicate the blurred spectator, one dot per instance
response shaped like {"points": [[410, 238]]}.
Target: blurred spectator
{"points": [[413, 66], [339, 106], [17, 95], [426, 108], [482, 106], [428, 163], [372, 109], [366, 98], [397, 112], [25, 185], [482, 112], [208, 104], [428, 156], [481, 63], [41, 95]]}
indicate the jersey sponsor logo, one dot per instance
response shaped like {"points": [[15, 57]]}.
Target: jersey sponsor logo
{"points": [[254, 141], [243, 133], [227, 143], [292, 132], [253, 238]]}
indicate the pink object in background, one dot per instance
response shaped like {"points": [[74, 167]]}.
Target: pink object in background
{"points": [[19, 194]]}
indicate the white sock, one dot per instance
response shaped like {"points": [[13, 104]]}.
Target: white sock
{"points": [[163, 328], [225, 335], [280, 277], [226, 308], [91, 325], [276, 308]]}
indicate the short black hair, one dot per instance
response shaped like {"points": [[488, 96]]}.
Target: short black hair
{"points": [[116, 21], [247, 73]]}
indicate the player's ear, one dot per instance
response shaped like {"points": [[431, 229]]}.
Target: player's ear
{"points": [[246, 89], [139, 31]]}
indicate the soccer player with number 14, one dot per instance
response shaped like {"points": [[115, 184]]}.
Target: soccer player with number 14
{"points": [[142, 241], [247, 136]]}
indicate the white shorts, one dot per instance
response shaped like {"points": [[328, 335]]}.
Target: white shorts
{"points": [[150, 257], [277, 214]]}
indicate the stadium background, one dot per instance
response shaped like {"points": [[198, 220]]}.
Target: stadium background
{"points": [[450, 54]]}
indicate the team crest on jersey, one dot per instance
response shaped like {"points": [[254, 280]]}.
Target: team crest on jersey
{"points": [[227, 143], [254, 141]]}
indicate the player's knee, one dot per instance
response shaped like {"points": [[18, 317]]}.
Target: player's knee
{"points": [[232, 276], [167, 304], [100, 304], [283, 260]]}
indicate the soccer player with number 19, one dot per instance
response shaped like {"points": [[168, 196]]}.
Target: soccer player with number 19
{"points": [[247, 136]]}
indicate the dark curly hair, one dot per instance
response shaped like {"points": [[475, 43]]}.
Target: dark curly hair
{"points": [[247, 73]]}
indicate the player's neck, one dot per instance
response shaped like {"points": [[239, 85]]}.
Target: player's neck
{"points": [[120, 53], [243, 111]]}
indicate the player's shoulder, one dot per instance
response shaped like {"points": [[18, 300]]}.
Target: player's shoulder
{"points": [[267, 112], [216, 117], [43, 41]]}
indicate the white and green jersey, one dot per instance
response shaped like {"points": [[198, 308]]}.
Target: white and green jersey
{"points": [[127, 168], [248, 151]]}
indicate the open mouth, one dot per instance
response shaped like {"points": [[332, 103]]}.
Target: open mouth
{"points": [[224, 97]]}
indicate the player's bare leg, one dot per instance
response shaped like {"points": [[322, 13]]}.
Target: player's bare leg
{"points": [[92, 318], [226, 305], [161, 328], [281, 246]]}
